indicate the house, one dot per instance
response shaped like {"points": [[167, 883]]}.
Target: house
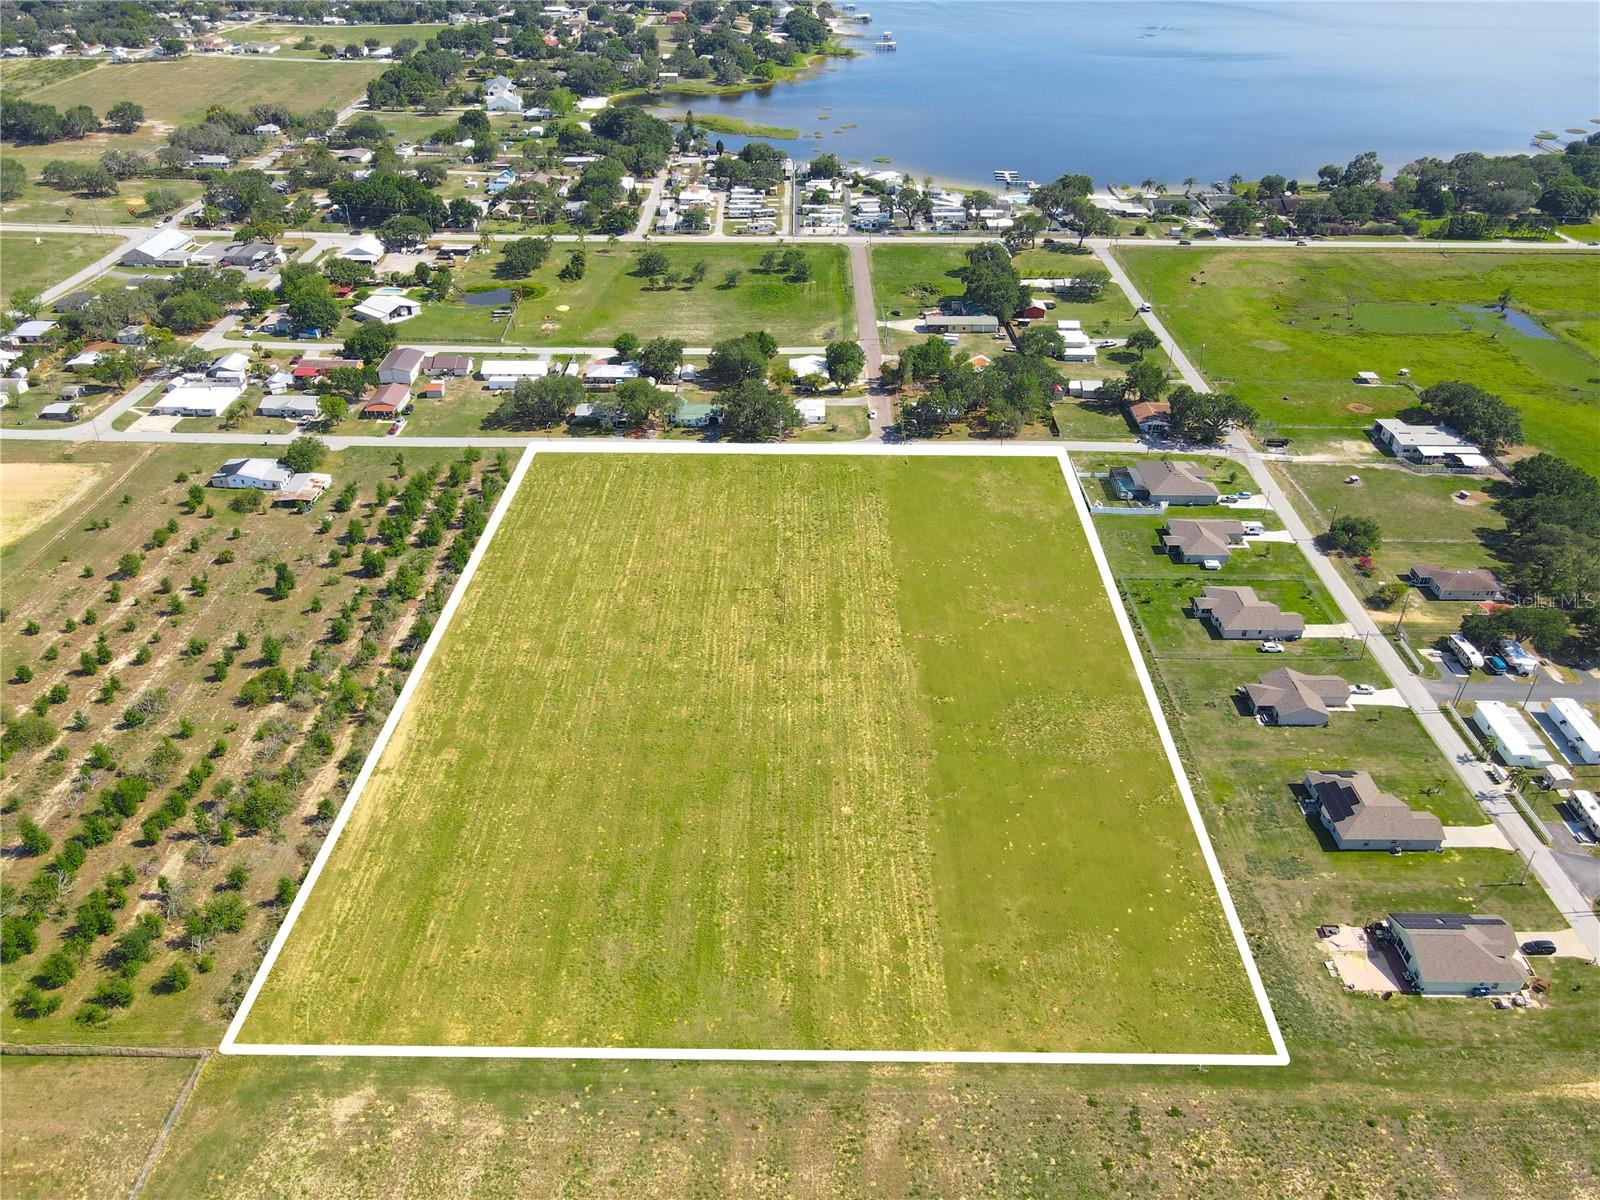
{"points": [[74, 302], [401, 365], [168, 248], [1587, 807], [365, 249], [1449, 583], [809, 364], [84, 360], [29, 333], [388, 402], [311, 367], [210, 162], [252, 256], [1076, 347], [1036, 310], [356, 156], [196, 400], [278, 382], [387, 308], [501, 374], [266, 128], [1171, 482], [1288, 697], [291, 408], [1191, 541], [1512, 738], [696, 416], [1426, 444], [438, 365], [605, 376], [960, 323], [130, 335], [1237, 613], [61, 410], [263, 474], [1578, 727], [12, 385], [813, 410], [1153, 418], [230, 368], [433, 390], [501, 95], [1457, 954], [303, 488], [1358, 816]]}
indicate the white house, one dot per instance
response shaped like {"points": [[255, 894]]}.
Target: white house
{"points": [[1514, 739], [387, 308], [189, 400], [401, 365], [230, 368], [501, 374], [366, 249], [608, 375], [29, 333], [292, 408], [267, 129], [808, 364], [813, 410], [501, 95], [1578, 727], [264, 474], [85, 360], [168, 248]]}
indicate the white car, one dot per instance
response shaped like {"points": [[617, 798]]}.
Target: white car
{"points": [[1363, 689], [1270, 647], [1211, 564], [872, 414]]}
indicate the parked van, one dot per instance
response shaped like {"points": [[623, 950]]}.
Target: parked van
{"points": [[1253, 528]]}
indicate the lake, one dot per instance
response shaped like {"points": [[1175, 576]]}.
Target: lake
{"points": [[1129, 90]]}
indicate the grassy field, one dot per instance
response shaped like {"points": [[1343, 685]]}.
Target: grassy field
{"points": [[1288, 332], [1422, 522], [810, 782], [37, 260], [291, 35], [610, 299], [179, 92], [82, 1126]]}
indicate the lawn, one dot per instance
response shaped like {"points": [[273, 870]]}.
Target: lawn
{"points": [[291, 35], [37, 260], [610, 299], [40, 205], [845, 423], [685, 774], [1288, 331], [83, 1126], [179, 91]]}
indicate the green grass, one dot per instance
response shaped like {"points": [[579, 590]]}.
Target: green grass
{"points": [[39, 205], [610, 300], [845, 423], [809, 782], [341, 36], [37, 260], [716, 123], [179, 92], [1288, 332], [1583, 233], [30, 74]]}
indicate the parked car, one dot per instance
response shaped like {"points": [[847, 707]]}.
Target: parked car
{"points": [[1270, 647], [1185, 242], [397, 427], [1363, 689], [1302, 242], [1495, 665], [1211, 564], [1539, 948], [1243, 495], [1144, 307], [872, 414]]}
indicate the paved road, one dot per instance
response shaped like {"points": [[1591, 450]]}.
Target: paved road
{"points": [[867, 335], [1517, 691]]}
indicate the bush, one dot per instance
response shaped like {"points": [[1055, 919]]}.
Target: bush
{"points": [[112, 993], [17, 938], [30, 1003], [247, 501], [174, 979], [35, 841], [1359, 536]]}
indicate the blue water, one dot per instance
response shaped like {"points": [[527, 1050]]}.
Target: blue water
{"points": [[1129, 90], [1520, 321], [485, 299]]}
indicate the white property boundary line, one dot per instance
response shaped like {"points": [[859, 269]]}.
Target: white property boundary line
{"points": [[1279, 1057]]}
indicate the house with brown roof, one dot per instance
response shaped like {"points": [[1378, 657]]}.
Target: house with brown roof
{"points": [[1237, 613], [1188, 540], [437, 365], [1288, 697], [1171, 482], [1450, 583], [1359, 816], [1151, 417], [387, 402], [1458, 954], [401, 365]]}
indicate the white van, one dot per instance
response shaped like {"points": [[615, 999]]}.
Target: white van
{"points": [[1253, 528]]}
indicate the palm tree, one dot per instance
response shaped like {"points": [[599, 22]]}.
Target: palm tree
{"points": [[1149, 185], [1188, 184]]}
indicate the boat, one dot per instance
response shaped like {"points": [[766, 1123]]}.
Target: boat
{"points": [[1005, 176], [885, 42]]}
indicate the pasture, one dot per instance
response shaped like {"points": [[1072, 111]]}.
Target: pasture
{"points": [[290, 36], [37, 260], [1287, 331], [789, 752]]}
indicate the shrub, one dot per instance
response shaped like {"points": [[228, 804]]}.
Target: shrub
{"points": [[174, 979], [34, 840], [112, 993]]}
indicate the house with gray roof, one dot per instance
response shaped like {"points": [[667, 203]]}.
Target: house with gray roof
{"points": [[1288, 697], [1359, 816], [1458, 954], [1450, 583], [1173, 482], [1188, 540], [1236, 613]]}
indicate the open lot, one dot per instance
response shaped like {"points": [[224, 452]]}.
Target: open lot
{"points": [[39, 205], [37, 260], [83, 1126], [610, 299], [292, 35], [1288, 331], [818, 781]]}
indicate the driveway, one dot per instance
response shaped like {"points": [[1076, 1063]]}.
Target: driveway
{"points": [[1475, 837]]}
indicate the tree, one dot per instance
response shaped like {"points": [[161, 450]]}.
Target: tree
{"points": [[13, 178], [334, 408], [1480, 416], [846, 361], [660, 358], [371, 341], [641, 404], [1208, 416], [652, 265], [403, 233], [1147, 379], [626, 346], [1041, 341], [1236, 217], [304, 454], [993, 285], [537, 403], [735, 360], [1355, 536], [523, 257], [1142, 341], [753, 413], [32, 838], [283, 581], [125, 116]]}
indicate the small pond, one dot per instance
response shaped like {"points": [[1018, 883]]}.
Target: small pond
{"points": [[1520, 321], [497, 298]]}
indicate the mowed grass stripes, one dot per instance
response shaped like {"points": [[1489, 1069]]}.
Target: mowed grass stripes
{"points": [[773, 752]]}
